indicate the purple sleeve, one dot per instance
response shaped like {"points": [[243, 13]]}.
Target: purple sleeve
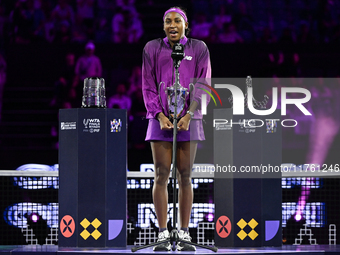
{"points": [[203, 74], [149, 84]]}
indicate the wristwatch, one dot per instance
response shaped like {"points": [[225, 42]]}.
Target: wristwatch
{"points": [[191, 114]]}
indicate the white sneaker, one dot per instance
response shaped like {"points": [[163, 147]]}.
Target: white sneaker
{"points": [[162, 236], [184, 246]]}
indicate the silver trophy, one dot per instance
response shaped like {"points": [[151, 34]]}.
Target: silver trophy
{"points": [[94, 93], [258, 104], [182, 95]]}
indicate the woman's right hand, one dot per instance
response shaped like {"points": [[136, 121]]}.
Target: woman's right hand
{"points": [[164, 122]]}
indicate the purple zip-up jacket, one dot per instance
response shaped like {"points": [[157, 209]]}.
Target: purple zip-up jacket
{"points": [[158, 67]]}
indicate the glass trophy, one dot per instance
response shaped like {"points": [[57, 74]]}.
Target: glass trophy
{"points": [[94, 93]]}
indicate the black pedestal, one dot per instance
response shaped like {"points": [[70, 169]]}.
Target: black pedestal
{"points": [[247, 199], [92, 174]]}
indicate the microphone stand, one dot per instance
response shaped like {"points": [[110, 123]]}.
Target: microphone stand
{"points": [[174, 237]]}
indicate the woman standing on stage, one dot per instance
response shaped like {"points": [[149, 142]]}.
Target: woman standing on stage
{"points": [[158, 67]]}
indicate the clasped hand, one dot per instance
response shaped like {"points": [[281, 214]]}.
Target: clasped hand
{"points": [[166, 124]]}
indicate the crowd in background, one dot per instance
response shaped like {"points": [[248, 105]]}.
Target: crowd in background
{"points": [[263, 21], [65, 21], [214, 21]]}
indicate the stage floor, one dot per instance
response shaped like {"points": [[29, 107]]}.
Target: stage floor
{"points": [[286, 249]]}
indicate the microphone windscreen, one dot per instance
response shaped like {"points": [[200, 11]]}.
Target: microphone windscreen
{"points": [[177, 51]]}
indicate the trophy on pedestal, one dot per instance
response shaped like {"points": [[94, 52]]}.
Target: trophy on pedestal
{"points": [[94, 93]]}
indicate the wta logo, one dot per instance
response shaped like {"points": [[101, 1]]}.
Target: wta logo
{"points": [[204, 97]]}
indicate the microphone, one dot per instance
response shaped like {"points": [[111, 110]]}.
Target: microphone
{"points": [[177, 54]]}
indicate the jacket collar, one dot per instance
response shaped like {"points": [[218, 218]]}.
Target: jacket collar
{"points": [[183, 41]]}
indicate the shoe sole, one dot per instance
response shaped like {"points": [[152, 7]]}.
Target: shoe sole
{"points": [[164, 248], [180, 248]]}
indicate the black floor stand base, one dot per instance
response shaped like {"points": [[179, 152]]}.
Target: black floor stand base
{"points": [[174, 240]]}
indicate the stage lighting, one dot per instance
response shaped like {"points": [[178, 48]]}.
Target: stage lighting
{"points": [[298, 217], [34, 217]]}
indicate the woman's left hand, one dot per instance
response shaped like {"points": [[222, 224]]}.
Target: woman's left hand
{"points": [[183, 123]]}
